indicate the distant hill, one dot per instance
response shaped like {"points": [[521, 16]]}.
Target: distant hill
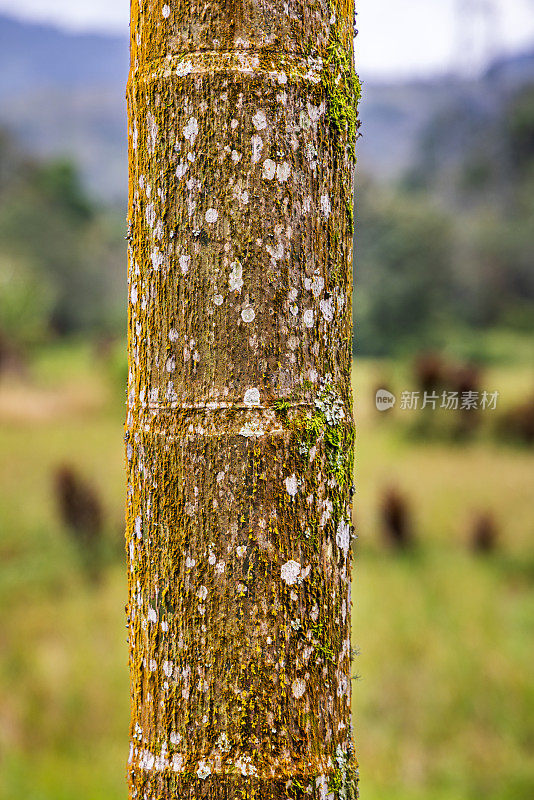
{"points": [[33, 54], [63, 93]]}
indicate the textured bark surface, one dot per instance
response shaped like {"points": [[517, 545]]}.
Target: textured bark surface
{"points": [[239, 434]]}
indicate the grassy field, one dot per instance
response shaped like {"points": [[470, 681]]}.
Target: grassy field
{"points": [[444, 691]]}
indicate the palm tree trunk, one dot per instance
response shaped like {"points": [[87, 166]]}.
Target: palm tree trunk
{"points": [[242, 121]]}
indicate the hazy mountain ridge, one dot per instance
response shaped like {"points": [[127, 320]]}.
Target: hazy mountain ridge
{"points": [[45, 56], [64, 93]]}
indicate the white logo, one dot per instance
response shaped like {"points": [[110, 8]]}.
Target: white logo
{"points": [[384, 400]]}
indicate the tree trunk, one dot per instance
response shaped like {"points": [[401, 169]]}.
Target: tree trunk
{"points": [[242, 121]]}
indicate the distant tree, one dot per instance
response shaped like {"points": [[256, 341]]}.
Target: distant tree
{"points": [[239, 430], [404, 279], [70, 250], [519, 128]]}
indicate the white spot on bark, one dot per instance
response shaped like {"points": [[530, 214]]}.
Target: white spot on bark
{"points": [[190, 130], [326, 208], [218, 299], [189, 563], [236, 156], [166, 11], [152, 616], [269, 169], [311, 155], [257, 147], [252, 428], [241, 550], [168, 668], [170, 394], [315, 69], [277, 252], [321, 784], [156, 258], [183, 68], [343, 536], [252, 397], [177, 762], [316, 285], [181, 169], [259, 120], [233, 124], [290, 572], [202, 593], [150, 215], [248, 314], [327, 309], [147, 760], [152, 129], [173, 335], [283, 171], [298, 687], [184, 264], [212, 215], [235, 280], [175, 738], [314, 112], [292, 485], [170, 366], [158, 230], [244, 765], [342, 685], [308, 318], [223, 743], [327, 512], [153, 665]]}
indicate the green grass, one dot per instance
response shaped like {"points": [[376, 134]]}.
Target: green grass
{"points": [[444, 703]]}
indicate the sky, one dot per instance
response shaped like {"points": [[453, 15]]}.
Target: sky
{"points": [[397, 38]]}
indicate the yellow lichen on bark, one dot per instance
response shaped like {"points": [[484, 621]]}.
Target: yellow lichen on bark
{"points": [[239, 434]]}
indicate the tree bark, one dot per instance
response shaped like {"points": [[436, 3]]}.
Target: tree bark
{"points": [[239, 435]]}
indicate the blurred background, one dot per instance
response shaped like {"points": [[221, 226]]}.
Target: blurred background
{"points": [[444, 303]]}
